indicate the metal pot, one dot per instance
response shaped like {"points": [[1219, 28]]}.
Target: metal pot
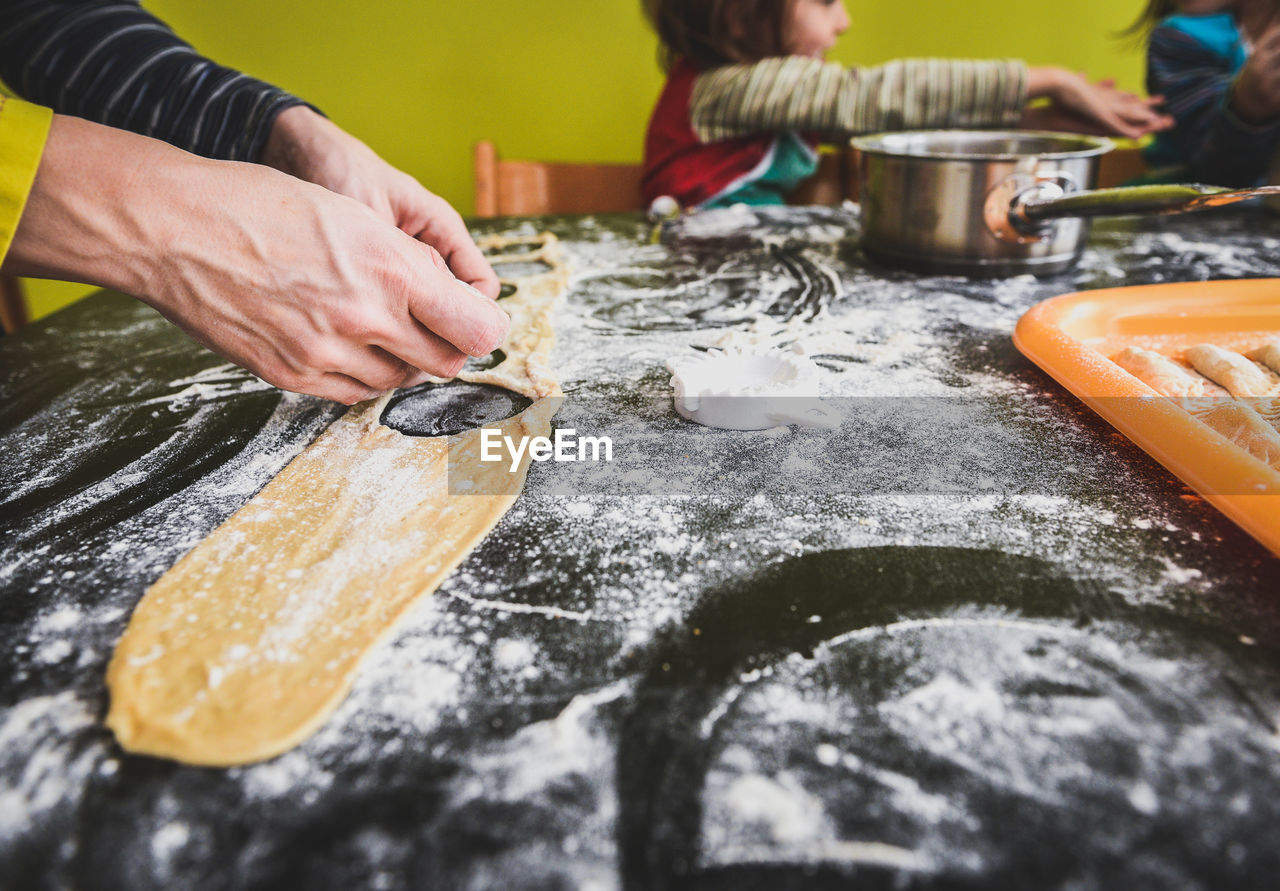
{"points": [[996, 203]]}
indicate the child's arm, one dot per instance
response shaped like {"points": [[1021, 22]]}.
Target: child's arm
{"points": [[799, 93], [1214, 136]]}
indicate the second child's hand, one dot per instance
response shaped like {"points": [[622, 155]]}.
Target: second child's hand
{"points": [[1255, 95], [1082, 106]]}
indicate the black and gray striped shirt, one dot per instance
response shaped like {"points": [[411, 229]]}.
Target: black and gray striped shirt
{"points": [[116, 64]]}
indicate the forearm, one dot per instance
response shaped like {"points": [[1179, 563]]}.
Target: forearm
{"points": [[805, 94], [147, 221], [1043, 82], [116, 64], [90, 228], [305, 144]]}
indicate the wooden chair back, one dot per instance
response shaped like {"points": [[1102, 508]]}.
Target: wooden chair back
{"points": [[836, 179], [1119, 166], [537, 187], [13, 308]]}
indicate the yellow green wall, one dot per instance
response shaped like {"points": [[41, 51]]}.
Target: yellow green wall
{"points": [[568, 80]]}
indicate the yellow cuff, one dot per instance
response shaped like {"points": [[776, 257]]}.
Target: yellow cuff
{"points": [[23, 130]]}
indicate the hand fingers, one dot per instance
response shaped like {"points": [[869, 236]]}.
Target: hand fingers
{"points": [[329, 385], [452, 310], [465, 259], [415, 378], [434, 222], [354, 373], [349, 372], [376, 368], [436, 260], [367, 374], [423, 353], [341, 388], [1119, 126], [1126, 114], [1141, 114]]}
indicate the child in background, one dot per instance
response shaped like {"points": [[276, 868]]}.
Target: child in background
{"points": [[748, 96], [1217, 63]]}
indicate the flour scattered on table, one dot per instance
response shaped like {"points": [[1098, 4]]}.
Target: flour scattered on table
{"points": [[498, 714]]}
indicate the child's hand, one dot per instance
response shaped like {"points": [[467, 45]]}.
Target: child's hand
{"points": [[1096, 107], [1255, 97]]}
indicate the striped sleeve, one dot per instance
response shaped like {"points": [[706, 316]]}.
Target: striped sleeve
{"points": [[116, 64], [1196, 84], [796, 93], [23, 130]]}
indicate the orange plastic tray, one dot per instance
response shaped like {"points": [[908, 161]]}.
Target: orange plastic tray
{"points": [[1072, 336]]}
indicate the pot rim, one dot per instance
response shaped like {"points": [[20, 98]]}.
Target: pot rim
{"points": [[874, 144]]}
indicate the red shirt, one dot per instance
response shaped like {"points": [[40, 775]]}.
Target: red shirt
{"points": [[679, 164]]}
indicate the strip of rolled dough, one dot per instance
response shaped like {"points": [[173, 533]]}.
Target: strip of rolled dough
{"points": [[244, 648], [1269, 355], [1239, 375], [1246, 428], [1164, 375], [1237, 421]]}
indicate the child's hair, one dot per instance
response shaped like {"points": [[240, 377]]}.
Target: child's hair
{"points": [[703, 31], [1151, 14], [1155, 10]]}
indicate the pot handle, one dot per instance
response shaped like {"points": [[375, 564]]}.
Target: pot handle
{"points": [[1028, 212]]}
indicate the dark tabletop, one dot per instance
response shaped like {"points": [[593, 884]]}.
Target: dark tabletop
{"points": [[974, 638]]}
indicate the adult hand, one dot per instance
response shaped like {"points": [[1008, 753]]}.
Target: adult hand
{"points": [[311, 147], [308, 289], [1098, 107], [1255, 95]]}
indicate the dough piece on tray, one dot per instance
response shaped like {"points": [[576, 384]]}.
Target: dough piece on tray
{"points": [[244, 647], [1206, 401], [1239, 375], [1268, 355], [1164, 375], [1245, 428]]}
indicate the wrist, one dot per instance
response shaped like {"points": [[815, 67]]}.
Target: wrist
{"points": [[1045, 81], [295, 137], [100, 229]]}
